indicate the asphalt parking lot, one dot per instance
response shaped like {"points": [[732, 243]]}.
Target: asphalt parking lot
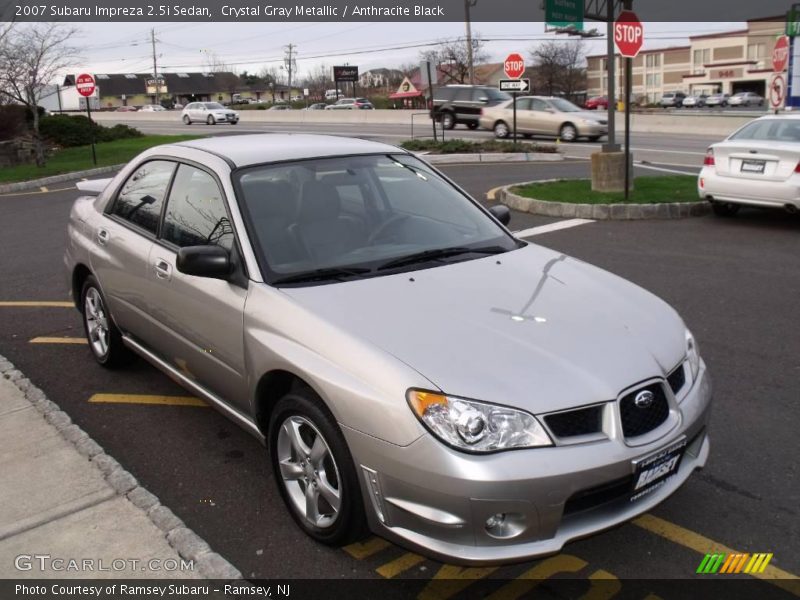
{"points": [[736, 282]]}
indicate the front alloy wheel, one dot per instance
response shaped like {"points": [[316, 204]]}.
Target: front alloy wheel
{"points": [[105, 340], [448, 120], [501, 130], [314, 470], [210, 120], [186, 120], [568, 132]]}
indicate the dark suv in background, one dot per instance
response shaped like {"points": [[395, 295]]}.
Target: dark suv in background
{"points": [[454, 104]]}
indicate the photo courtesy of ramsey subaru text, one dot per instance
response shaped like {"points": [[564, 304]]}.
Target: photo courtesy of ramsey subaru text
{"points": [[412, 367]]}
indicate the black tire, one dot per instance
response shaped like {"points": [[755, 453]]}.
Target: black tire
{"points": [[568, 133], [349, 524], [527, 136], [472, 125], [211, 120], [186, 120], [594, 138], [234, 122], [116, 354], [725, 209], [501, 130], [448, 120]]}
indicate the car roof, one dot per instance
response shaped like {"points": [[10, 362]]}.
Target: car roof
{"points": [[786, 115], [259, 148]]}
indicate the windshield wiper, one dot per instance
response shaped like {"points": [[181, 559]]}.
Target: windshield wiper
{"points": [[438, 253], [323, 275]]}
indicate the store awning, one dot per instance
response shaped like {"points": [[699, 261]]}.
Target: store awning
{"points": [[398, 95]]}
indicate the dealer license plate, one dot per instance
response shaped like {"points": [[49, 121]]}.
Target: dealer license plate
{"points": [[753, 166], [652, 471]]}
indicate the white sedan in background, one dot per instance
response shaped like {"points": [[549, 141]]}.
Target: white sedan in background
{"points": [[757, 165]]}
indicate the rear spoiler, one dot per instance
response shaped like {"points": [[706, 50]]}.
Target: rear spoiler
{"points": [[93, 187]]}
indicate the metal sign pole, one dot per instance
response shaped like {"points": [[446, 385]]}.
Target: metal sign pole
{"points": [[91, 129], [433, 108], [514, 96], [611, 145], [628, 75]]}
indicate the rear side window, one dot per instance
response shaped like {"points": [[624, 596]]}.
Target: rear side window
{"points": [[141, 198], [464, 94], [196, 214]]}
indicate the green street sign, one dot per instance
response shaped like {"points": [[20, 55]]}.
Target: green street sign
{"points": [[564, 13], [793, 21]]}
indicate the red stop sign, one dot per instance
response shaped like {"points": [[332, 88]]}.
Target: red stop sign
{"points": [[628, 34], [514, 65], [780, 54], [84, 83]]}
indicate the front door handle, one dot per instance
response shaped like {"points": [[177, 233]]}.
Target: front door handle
{"points": [[163, 269], [102, 236]]}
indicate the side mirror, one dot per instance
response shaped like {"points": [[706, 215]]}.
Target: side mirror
{"points": [[501, 213], [204, 261]]}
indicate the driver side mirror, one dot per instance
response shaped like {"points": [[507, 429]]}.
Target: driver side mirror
{"points": [[211, 261], [483, 100], [501, 213]]}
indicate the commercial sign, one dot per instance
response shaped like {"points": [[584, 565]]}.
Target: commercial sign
{"points": [[793, 21], [564, 13], [345, 74], [151, 84]]}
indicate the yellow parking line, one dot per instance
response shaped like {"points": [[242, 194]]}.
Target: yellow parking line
{"points": [[26, 303], [35, 192], [492, 193], [59, 340], [450, 580], [604, 586], [397, 566], [43, 189], [703, 545], [146, 399], [361, 550], [562, 563]]}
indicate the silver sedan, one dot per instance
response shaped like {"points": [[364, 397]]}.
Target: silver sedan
{"points": [[412, 367]]}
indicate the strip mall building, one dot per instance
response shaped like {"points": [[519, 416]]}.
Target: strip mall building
{"points": [[729, 62]]}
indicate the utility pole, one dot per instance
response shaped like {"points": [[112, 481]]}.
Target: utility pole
{"points": [[467, 5], [290, 62], [155, 67]]}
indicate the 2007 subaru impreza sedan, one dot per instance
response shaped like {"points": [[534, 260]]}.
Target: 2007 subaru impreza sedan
{"points": [[413, 368]]}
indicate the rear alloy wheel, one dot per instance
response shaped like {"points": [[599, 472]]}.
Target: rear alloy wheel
{"points": [[568, 133], [501, 131], [314, 470], [448, 120], [725, 209], [210, 120], [105, 340], [186, 120]]}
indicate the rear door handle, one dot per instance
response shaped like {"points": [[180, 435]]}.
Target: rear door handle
{"points": [[102, 236], [163, 269]]}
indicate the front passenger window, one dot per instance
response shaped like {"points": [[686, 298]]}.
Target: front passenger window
{"points": [[196, 214], [141, 198]]}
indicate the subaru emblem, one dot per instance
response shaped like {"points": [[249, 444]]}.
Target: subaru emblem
{"points": [[644, 399]]}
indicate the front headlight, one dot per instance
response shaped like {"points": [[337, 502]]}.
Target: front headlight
{"points": [[476, 426], [692, 354]]}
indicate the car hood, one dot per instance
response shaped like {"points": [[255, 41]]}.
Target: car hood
{"points": [[530, 328]]}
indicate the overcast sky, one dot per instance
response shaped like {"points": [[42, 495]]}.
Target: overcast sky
{"points": [[125, 48]]}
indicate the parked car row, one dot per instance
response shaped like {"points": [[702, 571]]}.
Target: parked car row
{"points": [[679, 99]]}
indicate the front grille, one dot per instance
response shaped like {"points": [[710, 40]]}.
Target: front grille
{"points": [[582, 421], [598, 495], [638, 420], [676, 379]]}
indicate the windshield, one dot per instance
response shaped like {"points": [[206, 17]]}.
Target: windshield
{"points": [[214, 106], [563, 105], [362, 213], [779, 130]]}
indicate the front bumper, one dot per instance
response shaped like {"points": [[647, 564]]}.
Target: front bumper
{"points": [[436, 500], [592, 129], [752, 192], [226, 118]]}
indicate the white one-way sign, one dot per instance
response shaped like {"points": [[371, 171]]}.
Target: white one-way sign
{"points": [[515, 85]]}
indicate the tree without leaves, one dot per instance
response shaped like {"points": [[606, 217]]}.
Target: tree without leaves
{"points": [[559, 67], [453, 59], [30, 58]]}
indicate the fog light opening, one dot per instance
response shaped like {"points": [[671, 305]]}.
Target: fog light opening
{"points": [[505, 525]]}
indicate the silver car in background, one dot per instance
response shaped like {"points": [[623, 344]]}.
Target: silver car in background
{"points": [[544, 115], [757, 165], [209, 113], [412, 367]]}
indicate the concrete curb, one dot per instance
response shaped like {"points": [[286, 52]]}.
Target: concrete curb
{"points": [[491, 157], [188, 544], [600, 212], [36, 183]]}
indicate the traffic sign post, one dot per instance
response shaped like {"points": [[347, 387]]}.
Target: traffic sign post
{"points": [[628, 37], [780, 54], [85, 85], [515, 85], [514, 67], [777, 91]]}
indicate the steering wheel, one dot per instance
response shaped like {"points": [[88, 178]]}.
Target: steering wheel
{"points": [[387, 229]]}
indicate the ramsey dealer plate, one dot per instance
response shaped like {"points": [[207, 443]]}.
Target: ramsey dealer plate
{"points": [[753, 166], [652, 471]]}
